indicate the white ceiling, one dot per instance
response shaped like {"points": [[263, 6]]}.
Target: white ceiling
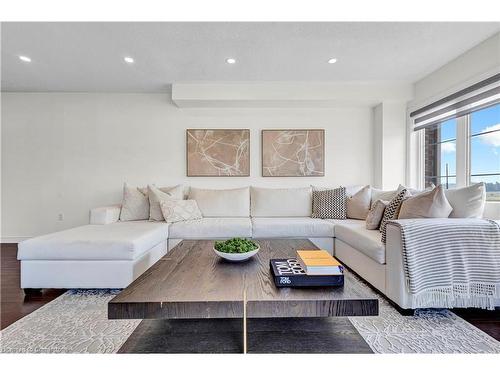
{"points": [[89, 56]]}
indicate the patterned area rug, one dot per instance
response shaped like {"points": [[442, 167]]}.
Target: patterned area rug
{"points": [[76, 322]]}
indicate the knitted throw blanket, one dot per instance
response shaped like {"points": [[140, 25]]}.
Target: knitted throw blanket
{"points": [[451, 262]]}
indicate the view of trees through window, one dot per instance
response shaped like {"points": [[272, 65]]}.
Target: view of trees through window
{"points": [[484, 151]]}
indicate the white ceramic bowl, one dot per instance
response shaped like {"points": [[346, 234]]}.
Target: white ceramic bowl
{"points": [[237, 257]]}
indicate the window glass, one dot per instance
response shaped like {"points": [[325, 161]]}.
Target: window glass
{"points": [[485, 150]]}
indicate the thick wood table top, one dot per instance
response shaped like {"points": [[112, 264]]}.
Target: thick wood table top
{"points": [[191, 281]]}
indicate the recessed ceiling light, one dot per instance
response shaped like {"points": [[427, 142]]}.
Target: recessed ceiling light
{"points": [[333, 60], [24, 58], [231, 60], [128, 60]]}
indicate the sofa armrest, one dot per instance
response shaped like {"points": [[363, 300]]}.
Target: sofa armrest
{"points": [[105, 215]]}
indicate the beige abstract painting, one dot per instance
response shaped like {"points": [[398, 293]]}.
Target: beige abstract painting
{"points": [[218, 152], [291, 153]]}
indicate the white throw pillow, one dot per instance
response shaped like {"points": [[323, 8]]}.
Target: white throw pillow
{"points": [[177, 191], [135, 205], [358, 204], [384, 195], [156, 196], [429, 204], [467, 202], [291, 202], [180, 210], [413, 191], [222, 202]]}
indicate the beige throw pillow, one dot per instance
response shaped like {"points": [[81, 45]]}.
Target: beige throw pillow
{"points": [[375, 214], [358, 204], [135, 204], [156, 196], [430, 204], [180, 210]]}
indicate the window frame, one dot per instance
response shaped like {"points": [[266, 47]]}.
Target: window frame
{"points": [[463, 153]]}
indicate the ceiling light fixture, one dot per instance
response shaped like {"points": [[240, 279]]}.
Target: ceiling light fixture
{"points": [[333, 60], [24, 58], [128, 60], [231, 60]]}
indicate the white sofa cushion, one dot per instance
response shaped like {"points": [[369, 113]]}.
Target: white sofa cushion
{"points": [[293, 202], [335, 222], [468, 201], [222, 202], [366, 241], [298, 227], [117, 241], [211, 227]]}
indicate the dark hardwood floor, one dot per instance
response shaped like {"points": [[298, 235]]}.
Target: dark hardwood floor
{"points": [[14, 304]]}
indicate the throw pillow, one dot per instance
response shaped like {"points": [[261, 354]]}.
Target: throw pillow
{"points": [[156, 196], [392, 210], [329, 204], [135, 205], [358, 204], [180, 210], [375, 214], [413, 191], [430, 204], [384, 195], [176, 191], [467, 202]]}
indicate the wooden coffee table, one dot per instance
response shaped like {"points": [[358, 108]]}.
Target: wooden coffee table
{"points": [[192, 282]]}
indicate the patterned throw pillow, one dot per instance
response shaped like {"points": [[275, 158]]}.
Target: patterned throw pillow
{"points": [[329, 204], [156, 195], [180, 210], [392, 210]]}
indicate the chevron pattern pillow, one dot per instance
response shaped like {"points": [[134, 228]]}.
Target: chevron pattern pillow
{"points": [[329, 204], [392, 211]]}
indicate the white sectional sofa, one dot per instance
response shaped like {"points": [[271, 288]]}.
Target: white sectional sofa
{"points": [[109, 253]]}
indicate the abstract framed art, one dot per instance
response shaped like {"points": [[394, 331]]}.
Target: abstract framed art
{"points": [[218, 152], [293, 153]]}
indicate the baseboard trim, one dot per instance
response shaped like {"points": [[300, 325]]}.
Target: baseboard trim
{"points": [[13, 239]]}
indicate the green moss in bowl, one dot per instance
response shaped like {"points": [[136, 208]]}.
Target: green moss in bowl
{"points": [[235, 246]]}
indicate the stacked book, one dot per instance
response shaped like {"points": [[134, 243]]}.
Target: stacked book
{"points": [[310, 268]]}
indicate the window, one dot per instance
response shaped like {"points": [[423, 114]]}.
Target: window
{"points": [[485, 150], [482, 151], [440, 154]]}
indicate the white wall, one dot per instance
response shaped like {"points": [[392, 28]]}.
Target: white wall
{"points": [[474, 65], [389, 119], [68, 152]]}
